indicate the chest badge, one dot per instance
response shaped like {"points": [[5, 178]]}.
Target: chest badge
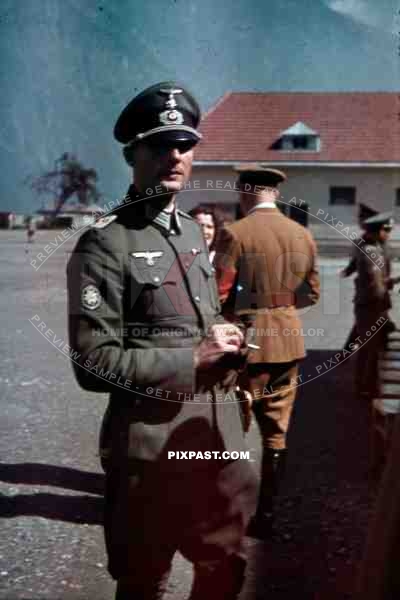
{"points": [[148, 256]]}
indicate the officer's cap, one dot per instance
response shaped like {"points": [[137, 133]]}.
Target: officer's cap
{"points": [[259, 175], [378, 221], [365, 212], [165, 110]]}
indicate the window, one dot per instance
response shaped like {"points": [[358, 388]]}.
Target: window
{"points": [[342, 196], [290, 143], [303, 142]]}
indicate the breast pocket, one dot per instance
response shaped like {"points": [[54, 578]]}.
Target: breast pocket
{"points": [[163, 293], [208, 288]]}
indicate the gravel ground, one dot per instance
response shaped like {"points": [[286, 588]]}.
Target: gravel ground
{"points": [[51, 544]]}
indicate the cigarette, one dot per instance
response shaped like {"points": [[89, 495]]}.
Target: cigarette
{"points": [[253, 346]]}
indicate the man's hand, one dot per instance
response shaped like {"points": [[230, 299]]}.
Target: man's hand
{"points": [[221, 340]]}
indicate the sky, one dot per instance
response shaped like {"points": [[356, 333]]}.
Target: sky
{"points": [[68, 67]]}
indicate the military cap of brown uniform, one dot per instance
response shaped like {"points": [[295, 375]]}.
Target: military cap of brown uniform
{"points": [[255, 174]]}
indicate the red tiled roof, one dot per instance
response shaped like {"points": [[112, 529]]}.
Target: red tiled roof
{"points": [[353, 126]]}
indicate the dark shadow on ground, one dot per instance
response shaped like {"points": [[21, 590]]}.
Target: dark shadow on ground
{"points": [[71, 508], [51, 475], [324, 501], [74, 509]]}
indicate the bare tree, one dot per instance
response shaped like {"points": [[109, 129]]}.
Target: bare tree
{"points": [[68, 178]]}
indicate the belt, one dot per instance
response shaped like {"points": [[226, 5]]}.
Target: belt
{"points": [[274, 300], [262, 311], [278, 299]]}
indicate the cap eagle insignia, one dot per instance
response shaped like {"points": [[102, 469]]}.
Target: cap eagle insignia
{"points": [[171, 116]]}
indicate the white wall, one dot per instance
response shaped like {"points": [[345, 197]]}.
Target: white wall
{"points": [[374, 187], [210, 185]]}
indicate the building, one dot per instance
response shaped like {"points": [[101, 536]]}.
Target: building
{"points": [[74, 215], [338, 149]]}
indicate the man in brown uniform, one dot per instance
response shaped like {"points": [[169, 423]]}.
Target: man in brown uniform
{"points": [[266, 268]]}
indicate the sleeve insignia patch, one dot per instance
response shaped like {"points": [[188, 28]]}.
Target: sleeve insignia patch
{"points": [[91, 297], [104, 221]]}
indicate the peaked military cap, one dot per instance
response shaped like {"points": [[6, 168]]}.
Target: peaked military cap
{"points": [[165, 110], [259, 175], [365, 212], [375, 222]]}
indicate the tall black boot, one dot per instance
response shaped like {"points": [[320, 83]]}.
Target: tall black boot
{"points": [[221, 580], [272, 469], [142, 590]]}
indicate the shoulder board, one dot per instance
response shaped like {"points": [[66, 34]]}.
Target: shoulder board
{"points": [[104, 221], [183, 214]]}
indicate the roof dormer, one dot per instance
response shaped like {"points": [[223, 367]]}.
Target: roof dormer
{"points": [[298, 138]]}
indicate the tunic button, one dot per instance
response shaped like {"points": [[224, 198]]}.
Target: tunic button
{"points": [[156, 279], [197, 298], [172, 232]]}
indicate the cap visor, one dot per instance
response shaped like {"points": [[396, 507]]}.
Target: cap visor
{"points": [[168, 133], [176, 136]]}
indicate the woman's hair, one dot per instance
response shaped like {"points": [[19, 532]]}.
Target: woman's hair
{"points": [[218, 216]]}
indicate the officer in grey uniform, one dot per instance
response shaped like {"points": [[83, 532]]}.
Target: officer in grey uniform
{"points": [[144, 320], [372, 300], [366, 213]]}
